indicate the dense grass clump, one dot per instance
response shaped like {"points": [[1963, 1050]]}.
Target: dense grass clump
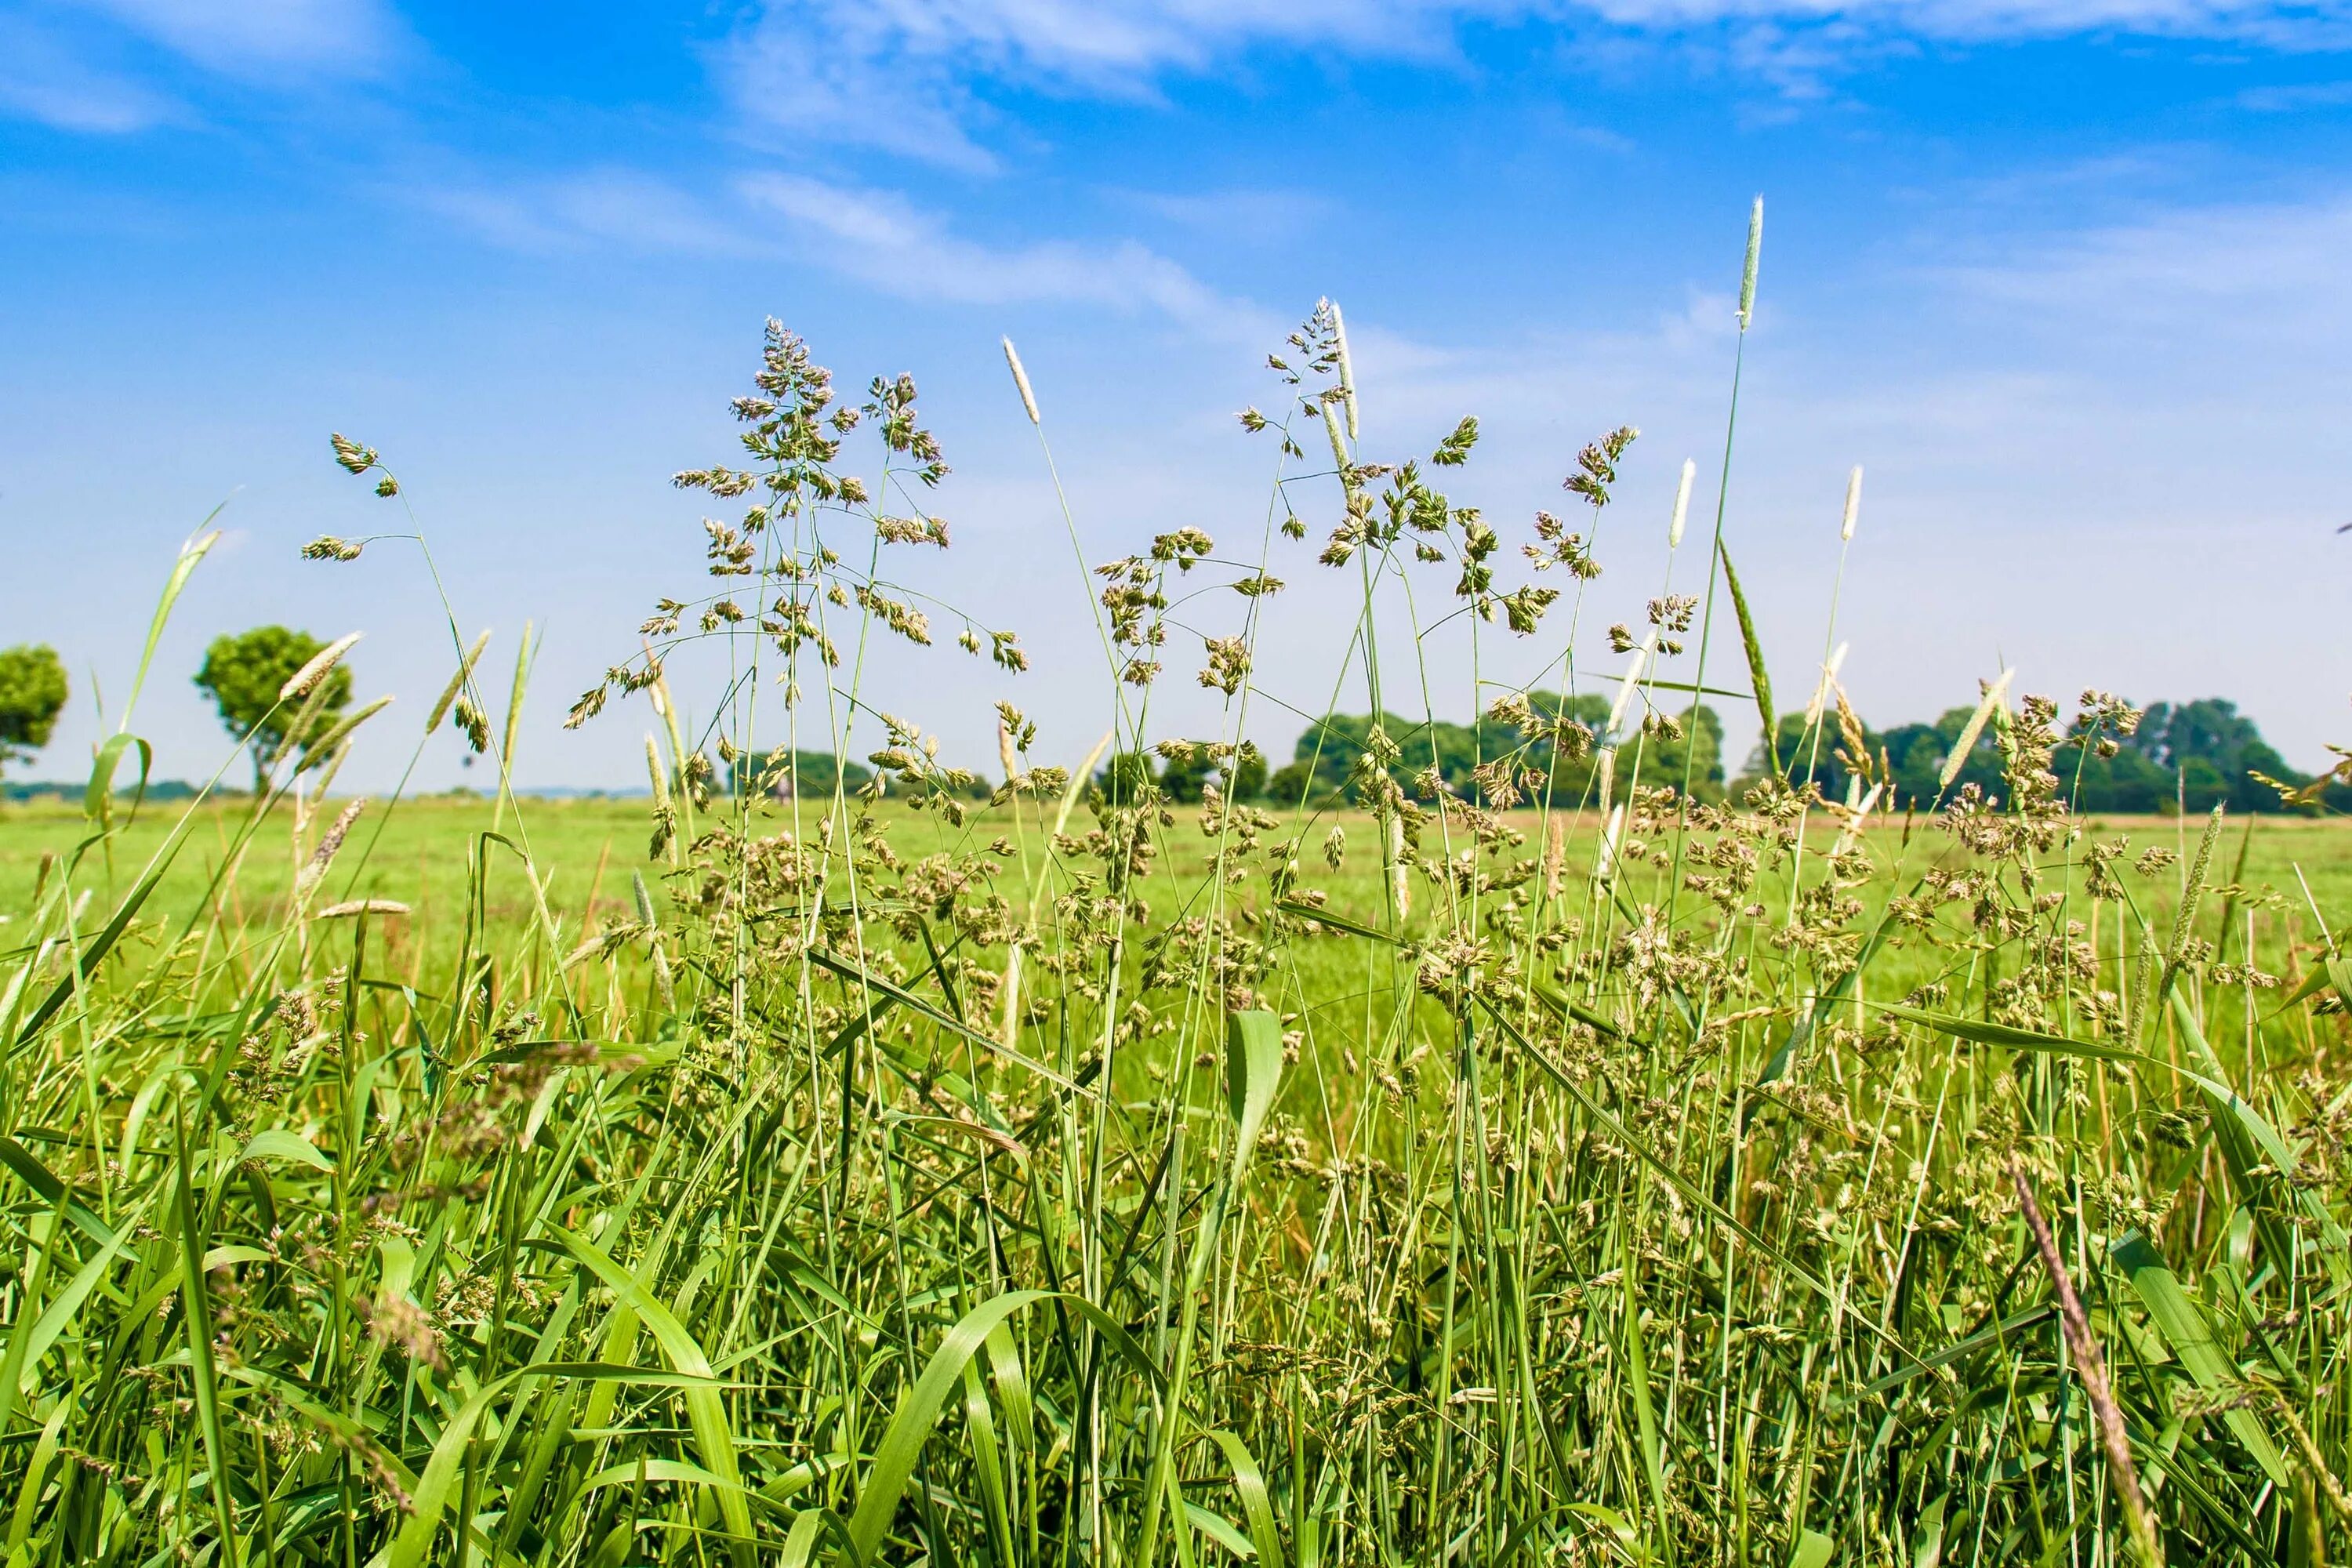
{"points": [[1559, 1170]]}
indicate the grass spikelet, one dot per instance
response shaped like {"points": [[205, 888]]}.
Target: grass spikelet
{"points": [[364, 907], [1338, 442], [1760, 677], [1994, 696], [1631, 683], [1853, 504], [1021, 380], [331, 843], [1400, 878], [1682, 503], [457, 682], [300, 683], [1755, 254], [1347, 367], [1821, 689]]}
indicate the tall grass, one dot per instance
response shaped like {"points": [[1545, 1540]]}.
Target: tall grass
{"points": [[1557, 1175]]}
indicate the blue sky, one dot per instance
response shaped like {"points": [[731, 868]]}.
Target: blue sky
{"points": [[2069, 279]]}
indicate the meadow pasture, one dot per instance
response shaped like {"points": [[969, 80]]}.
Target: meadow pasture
{"points": [[1525, 1173]]}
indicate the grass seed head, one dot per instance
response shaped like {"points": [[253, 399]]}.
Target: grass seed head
{"points": [[300, 683], [1021, 380], [1681, 504]]}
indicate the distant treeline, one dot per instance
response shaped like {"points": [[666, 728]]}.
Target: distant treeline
{"points": [[2189, 755], [159, 790]]}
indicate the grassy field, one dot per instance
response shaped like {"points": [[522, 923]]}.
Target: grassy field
{"points": [[1096, 1178], [418, 852]]}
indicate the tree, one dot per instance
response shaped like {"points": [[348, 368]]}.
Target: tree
{"points": [[1246, 774], [1126, 777], [243, 676], [1696, 753], [32, 695]]}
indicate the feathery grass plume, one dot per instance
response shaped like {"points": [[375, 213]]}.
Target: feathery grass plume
{"points": [[1606, 865], [1555, 855], [2091, 1368], [298, 684], [1347, 366], [1005, 756], [1829, 668], [1994, 695], [1604, 776], [1853, 504], [457, 682], [1747, 273], [1682, 503], [1021, 380]]}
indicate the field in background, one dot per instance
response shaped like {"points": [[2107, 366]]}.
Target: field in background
{"points": [[417, 851]]}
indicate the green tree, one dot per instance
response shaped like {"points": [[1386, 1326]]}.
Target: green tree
{"points": [[1696, 753], [1126, 777], [1246, 774], [32, 695], [243, 675]]}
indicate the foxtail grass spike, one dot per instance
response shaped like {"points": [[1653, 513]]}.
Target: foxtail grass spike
{"points": [[1755, 254], [1021, 380], [1682, 503]]}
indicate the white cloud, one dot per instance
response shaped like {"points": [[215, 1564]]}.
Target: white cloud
{"points": [[2255, 274], [41, 79], [884, 240], [248, 36], [610, 209], [1238, 215], [82, 64], [905, 76]]}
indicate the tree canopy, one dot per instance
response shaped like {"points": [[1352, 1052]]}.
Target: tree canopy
{"points": [[2193, 754], [243, 675], [1325, 760], [32, 695]]}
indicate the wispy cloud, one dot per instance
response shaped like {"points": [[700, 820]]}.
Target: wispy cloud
{"points": [[342, 37], [2296, 97], [1237, 215], [600, 209], [43, 79], [913, 76], [2267, 273], [94, 66], [879, 239], [884, 240]]}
